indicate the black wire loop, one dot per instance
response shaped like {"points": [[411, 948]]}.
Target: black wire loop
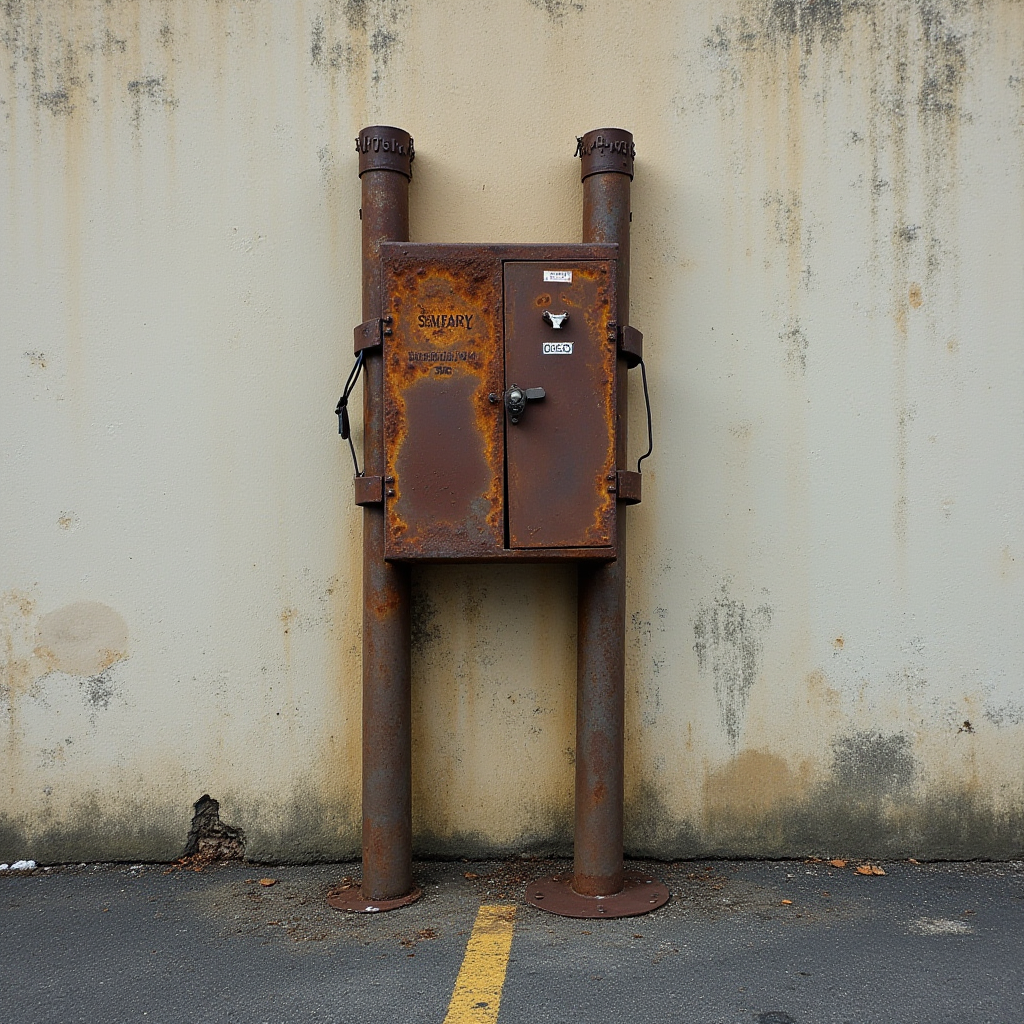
{"points": [[341, 411], [650, 429]]}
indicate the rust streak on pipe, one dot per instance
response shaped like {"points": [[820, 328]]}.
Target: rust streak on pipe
{"points": [[385, 158], [607, 170]]}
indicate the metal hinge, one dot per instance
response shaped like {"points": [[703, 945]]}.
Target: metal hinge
{"points": [[371, 333]]}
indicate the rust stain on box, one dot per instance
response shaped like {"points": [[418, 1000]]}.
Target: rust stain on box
{"points": [[443, 437]]}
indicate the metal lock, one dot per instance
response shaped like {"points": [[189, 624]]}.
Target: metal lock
{"points": [[516, 399]]}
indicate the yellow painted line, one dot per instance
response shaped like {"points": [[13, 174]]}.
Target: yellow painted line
{"points": [[477, 994]]}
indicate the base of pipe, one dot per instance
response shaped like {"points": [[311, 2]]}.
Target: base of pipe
{"points": [[351, 898], [640, 895]]}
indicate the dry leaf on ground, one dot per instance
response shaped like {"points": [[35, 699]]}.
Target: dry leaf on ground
{"points": [[268, 881], [869, 869], [470, 874], [837, 863], [787, 903]]}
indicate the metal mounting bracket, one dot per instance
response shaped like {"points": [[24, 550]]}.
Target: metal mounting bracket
{"points": [[631, 345], [369, 490], [628, 486], [370, 334]]}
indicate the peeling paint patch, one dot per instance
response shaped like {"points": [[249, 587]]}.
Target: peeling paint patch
{"points": [[211, 838], [729, 644]]}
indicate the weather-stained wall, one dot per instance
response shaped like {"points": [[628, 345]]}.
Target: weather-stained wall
{"points": [[824, 643]]}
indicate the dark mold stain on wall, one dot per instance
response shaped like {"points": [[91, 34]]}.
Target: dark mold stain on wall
{"points": [[425, 618], [56, 52], [868, 764], [309, 827], [306, 828], [729, 644], [945, 63], [549, 835], [870, 804], [357, 35], [95, 828], [811, 20], [779, 22], [795, 343], [557, 10]]}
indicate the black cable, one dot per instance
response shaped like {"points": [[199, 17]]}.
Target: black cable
{"points": [[650, 429], [341, 410]]}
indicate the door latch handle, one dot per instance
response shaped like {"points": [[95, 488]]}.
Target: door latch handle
{"points": [[516, 399], [557, 320]]}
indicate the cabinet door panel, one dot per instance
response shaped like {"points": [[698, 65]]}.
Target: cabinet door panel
{"points": [[561, 452]]}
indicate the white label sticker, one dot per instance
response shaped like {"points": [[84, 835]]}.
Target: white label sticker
{"points": [[557, 348], [558, 275]]}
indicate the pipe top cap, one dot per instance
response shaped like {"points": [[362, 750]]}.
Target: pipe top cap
{"points": [[382, 148], [606, 151]]}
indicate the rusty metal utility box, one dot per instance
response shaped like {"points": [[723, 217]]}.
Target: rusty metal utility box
{"points": [[500, 377]]}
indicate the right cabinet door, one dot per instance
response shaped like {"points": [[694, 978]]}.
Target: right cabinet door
{"points": [[561, 451]]}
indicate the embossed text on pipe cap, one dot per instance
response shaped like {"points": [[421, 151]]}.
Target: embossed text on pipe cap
{"points": [[606, 150], [383, 148]]}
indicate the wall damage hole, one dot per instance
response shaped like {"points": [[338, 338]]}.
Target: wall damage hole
{"points": [[209, 838]]}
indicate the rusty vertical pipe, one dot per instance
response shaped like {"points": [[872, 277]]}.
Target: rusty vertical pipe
{"points": [[607, 170], [385, 170]]}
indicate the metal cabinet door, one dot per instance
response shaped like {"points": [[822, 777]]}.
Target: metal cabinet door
{"points": [[561, 452], [442, 435]]}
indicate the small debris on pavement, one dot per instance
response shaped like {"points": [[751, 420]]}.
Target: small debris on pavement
{"points": [[837, 863], [470, 874], [268, 881], [869, 869], [19, 865], [787, 903]]}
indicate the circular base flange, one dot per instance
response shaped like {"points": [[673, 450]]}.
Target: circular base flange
{"points": [[640, 894], [351, 898]]}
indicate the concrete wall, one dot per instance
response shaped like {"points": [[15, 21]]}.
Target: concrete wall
{"points": [[824, 643]]}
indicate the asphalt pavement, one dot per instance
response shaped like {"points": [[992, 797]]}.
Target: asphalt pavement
{"points": [[786, 942]]}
